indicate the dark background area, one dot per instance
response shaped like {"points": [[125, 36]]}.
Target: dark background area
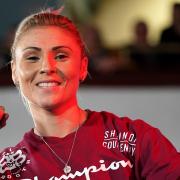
{"points": [[136, 64]]}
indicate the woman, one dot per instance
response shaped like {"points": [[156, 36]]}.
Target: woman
{"points": [[68, 142]]}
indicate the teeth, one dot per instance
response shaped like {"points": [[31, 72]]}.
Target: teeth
{"points": [[48, 84]]}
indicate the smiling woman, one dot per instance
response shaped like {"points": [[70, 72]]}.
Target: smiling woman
{"points": [[48, 63]]}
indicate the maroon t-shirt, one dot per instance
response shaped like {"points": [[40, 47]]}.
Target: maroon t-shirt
{"points": [[107, 147]]}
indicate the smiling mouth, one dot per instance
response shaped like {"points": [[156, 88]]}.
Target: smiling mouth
{"points": [[48, 84]]}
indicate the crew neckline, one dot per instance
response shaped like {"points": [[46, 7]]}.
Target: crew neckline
{"points": [[34, 138]]}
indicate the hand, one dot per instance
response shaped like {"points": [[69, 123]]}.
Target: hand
{"points": [[3, 117]]}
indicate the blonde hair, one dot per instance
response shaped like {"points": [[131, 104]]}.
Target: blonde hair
{"points": [[46, 19]]}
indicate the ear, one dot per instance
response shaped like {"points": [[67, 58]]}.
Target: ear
{"points": [[83, 68], [14, 72]]}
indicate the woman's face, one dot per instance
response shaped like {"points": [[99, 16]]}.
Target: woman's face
{"points": [[48, 66]]}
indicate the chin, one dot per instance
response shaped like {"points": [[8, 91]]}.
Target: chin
{"points": [[48, 100], [46, 103], [52, 103], [49, 105]]}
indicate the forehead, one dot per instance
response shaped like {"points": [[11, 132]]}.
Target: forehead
{"points": [[47, 37]]}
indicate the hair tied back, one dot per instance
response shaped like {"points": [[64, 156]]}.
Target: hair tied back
{"points": [[55, 11]]}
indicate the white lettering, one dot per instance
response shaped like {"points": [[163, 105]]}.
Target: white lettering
{"points": [[113, 132], [103, 167], [121, 147], [126, 147], [131, 137], [125, 135], [105, 144], [35, 178], [93, 169], [114, 166], [109, 145], [106, 134], [133, 150]]}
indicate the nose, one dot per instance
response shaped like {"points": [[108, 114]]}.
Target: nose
{"points": [[48, 65]]}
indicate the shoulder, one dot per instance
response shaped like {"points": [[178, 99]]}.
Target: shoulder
{"points": [[11, 158], [19, 145], [121, 123], [169, 29], [11, 149]]}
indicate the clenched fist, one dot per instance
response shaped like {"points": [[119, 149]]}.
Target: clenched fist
{"points": [[3, 117]]}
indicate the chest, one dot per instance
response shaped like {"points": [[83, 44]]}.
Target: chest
{"points": [[90, 159]]}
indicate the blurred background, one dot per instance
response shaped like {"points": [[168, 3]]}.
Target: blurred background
{"points": [[134, 60]]}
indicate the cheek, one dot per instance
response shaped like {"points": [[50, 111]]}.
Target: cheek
{"points": [[25, 74], [71, 71]]}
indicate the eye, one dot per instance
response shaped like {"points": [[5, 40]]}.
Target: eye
{"points": [[33, 58], [61, 56]]}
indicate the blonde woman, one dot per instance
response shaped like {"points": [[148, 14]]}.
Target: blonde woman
{"points": [[68, 142]]}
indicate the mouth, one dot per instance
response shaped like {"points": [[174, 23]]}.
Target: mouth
{"points": [[48, 84]]}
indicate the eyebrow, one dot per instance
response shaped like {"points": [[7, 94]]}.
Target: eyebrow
{"points": [[60, 47], [54, 48], [34, 48]]}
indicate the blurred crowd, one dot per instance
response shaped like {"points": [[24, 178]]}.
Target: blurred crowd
{"points": [[139, 55]]}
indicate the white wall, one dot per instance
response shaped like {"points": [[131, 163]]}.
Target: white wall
{"points": [[158, 106]]}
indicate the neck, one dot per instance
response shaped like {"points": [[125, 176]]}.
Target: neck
{"points": [[57, 123]]}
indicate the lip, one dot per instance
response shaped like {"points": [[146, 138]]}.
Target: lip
{"points": [[55, 82]]}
